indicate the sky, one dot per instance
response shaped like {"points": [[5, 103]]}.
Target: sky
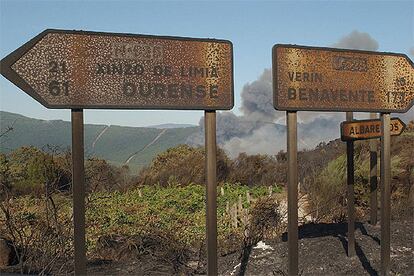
{"points": [[252, 26]]}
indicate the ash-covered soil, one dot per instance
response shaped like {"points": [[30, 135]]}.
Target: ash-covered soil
{"points": [[322, 251]]}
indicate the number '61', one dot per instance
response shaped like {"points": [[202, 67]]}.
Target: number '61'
{"points": [[56, 88]]}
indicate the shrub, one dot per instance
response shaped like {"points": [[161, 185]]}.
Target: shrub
{"points": [[42, 241], [257, 170], [33, 171], [183, 164], [99, 175], [327, 192]]}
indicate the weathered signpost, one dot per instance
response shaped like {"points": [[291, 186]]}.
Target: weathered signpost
{"points": [[327, 79], [368, 129], [89, 70]]}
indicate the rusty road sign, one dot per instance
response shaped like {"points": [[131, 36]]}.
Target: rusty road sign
{"points": [[327, 79], [78, 69], [368, 129]]}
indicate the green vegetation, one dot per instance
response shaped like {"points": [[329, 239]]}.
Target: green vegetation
{"points": [[327, 188], [161, 212], [174, 216], [184, 164], [162, 208]]}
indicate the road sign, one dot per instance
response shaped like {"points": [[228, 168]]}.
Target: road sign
{"points": [[368, 129], [327, 79], [78, 69]]}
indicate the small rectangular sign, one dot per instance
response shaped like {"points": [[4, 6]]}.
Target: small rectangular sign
{"points": [[368, 129], [78, 69], [328, 79]]}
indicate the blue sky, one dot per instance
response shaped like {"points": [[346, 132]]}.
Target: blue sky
{"points": [[253, 27]]}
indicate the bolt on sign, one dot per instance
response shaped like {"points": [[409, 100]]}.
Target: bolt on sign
{"points": [[327, 79], [368, 129], [78, 69]]}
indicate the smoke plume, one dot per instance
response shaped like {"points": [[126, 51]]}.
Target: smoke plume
{"points": [[261, 129], [357, 41], [257, 99]]}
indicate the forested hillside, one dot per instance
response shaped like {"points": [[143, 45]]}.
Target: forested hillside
{"points": [[117, 144]]}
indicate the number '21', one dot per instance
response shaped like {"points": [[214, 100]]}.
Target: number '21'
{"points": [[57, 67]]}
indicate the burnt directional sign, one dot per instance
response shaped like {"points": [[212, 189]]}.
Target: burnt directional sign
{"points": [[327, 79], [77, 69], [368, 129]]}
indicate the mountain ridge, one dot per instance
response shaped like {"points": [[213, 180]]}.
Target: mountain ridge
{"points": [[116, 144]]}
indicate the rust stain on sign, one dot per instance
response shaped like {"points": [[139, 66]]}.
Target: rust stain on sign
{"points": [[327, 79], [77, 69], [368, 129]]}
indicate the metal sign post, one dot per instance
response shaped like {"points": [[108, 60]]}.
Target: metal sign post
{"points": [[329, 79], [292, 149], [385, 176], [81, 69], [373, 179], [211, 191], [369, 129], [350, 191], [78, 188]]}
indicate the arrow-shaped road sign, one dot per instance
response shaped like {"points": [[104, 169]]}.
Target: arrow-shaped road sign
{"points": [[77, 69], [368, 129], [327, 79]]}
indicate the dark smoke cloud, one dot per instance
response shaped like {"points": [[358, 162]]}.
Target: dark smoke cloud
{"points": [[257, 99], [357, 41], [261, 129], [256, 131], [238, 134]]}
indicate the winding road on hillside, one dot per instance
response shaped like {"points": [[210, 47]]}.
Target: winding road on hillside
{"points": [[99, 136], [146, 146]]}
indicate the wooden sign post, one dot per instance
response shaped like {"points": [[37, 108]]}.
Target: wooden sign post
{"points": [[328, 79], [91, 70]]}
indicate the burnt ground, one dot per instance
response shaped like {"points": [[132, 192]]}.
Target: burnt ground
{"points": [[322, 251]]}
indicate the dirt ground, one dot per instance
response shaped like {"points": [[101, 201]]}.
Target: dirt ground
{"points": [[322, 251]]}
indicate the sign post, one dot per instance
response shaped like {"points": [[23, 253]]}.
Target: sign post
{"points": [[92, 70], [373, 179], [211, 191], [350, 191], [385, 169], [368, 129], [292, 149], [78, 189], [328, 79]]}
